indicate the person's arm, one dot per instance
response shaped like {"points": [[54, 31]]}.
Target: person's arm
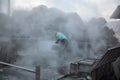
{"points": [[57, 40]]}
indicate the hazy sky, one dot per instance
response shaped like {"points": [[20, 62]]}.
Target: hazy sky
{"points": [[85, 8]]}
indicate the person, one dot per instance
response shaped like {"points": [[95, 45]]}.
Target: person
{"points": [[61, 38]]}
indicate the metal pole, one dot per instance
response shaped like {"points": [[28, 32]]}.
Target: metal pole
{"points": [[37, 69], [37, 73], [9, 7], [0, 6], [22, 68]]}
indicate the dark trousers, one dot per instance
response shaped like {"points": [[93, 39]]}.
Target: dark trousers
{"points": [[63, 41]]}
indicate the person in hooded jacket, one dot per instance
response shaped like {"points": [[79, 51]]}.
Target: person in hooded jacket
{"points": [[61, 38]]}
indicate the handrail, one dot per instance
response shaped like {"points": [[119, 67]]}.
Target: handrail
{"points": [[36, 71], [15, 66]]}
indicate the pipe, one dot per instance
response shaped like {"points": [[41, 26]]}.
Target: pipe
{"points": [[22, 68]]}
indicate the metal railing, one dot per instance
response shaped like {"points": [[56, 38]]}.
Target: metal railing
{"points": [[36, 71]]}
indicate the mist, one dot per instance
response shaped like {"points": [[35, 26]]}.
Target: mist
{"points": [[39, 26], [95, 8], [35, 31]]}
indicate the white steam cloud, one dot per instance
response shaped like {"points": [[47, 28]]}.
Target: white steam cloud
{"points": [[85, 8], [40, 24]]}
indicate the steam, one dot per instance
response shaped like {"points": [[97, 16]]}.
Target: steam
{"points": [[96, 8], [38, 27]]}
